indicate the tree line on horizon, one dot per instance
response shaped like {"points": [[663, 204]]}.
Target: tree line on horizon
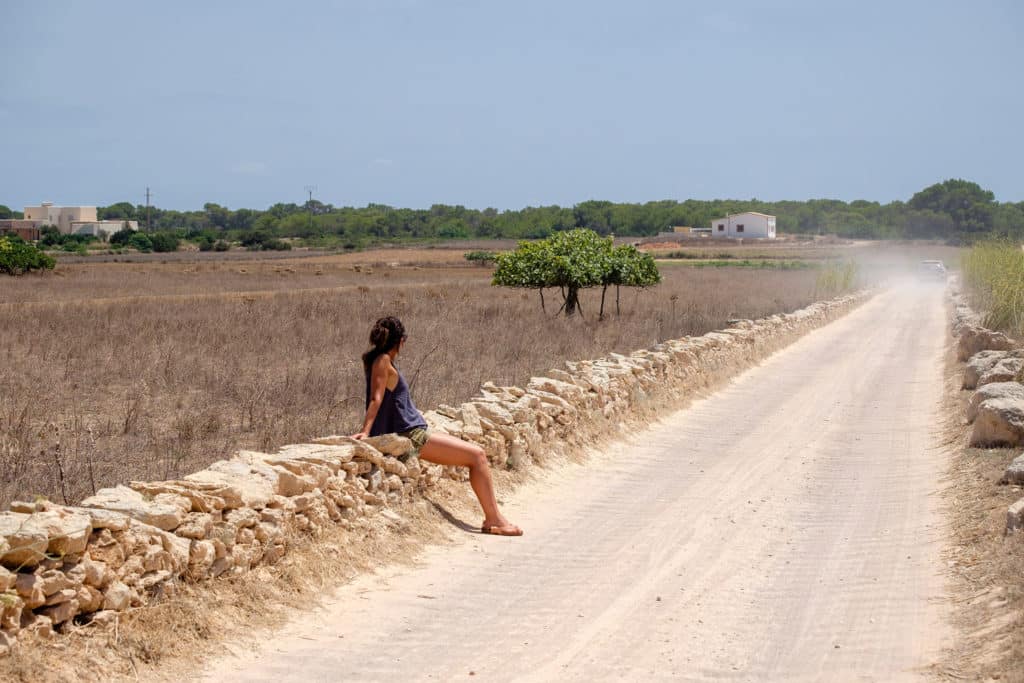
{"points": [[954, 210]]}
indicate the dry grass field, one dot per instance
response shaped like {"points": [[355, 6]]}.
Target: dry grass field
{"points": [[149, 370]]}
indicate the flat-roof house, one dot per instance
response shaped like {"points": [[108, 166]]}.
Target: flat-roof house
{"points": [[749, 224], [61, 217]]}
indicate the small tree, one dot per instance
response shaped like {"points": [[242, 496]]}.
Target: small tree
{"points": [[571, 261]]}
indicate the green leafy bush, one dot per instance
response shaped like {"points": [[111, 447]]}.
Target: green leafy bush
{"points": [[274, 244], [122, 237], [140, 242], [221, 245], [483, 258], [164, 242], [18, 257]]}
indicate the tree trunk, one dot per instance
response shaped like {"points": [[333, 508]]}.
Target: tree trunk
{"points": [[572, 301], [616, 300], [600, 315], [542, 307]]}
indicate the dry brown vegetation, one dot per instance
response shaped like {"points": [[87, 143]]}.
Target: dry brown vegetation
{"points": [[122, 371]]}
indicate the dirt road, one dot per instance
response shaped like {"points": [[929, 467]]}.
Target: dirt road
{"points": [[786, 528]]}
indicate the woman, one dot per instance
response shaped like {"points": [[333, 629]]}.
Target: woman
{"points": [[389, 409]]}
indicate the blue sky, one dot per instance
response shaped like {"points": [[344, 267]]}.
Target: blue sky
{"points": [[506, 104]]}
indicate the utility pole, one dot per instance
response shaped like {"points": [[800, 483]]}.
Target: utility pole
{"points": [[149, 223], [310, 189]]}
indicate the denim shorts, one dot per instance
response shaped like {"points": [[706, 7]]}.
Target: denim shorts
{"points": [[418, 436]]}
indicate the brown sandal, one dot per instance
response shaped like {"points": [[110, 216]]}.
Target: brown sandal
{"points": [[501, 530]]}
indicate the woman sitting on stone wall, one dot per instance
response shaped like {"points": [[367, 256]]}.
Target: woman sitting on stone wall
{"points": [[389, 409]]}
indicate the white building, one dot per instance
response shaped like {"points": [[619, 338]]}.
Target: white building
{"points": [[101, 229], [748, 224], [74, 220], [61, 217]]}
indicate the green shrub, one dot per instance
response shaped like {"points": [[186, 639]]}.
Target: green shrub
{"points": [[164, 242], [221, 245], [483, 258], [206, 244], [122, 236], [140, 242], [274, 244], [18, 257]]}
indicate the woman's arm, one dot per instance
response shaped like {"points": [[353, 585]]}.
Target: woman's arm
{"points": [[378, 382]]}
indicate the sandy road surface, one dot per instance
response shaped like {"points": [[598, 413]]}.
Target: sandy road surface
{"points": [[786, 528]]}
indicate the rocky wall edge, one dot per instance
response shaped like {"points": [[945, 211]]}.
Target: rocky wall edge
{"points": [[993, 369]]}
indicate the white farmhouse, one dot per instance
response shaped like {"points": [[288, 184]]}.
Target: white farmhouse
{"points": [[748, 224]]}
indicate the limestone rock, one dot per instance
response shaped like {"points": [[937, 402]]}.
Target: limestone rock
{"points": [[58, 614], [974, 339], [243, 518], [61, 596], [1004, 370], [89, 599], [103, 547], [197, 526], [107, 519], [329, 455], [251, 485], [202, 556], [30, 588], [117, 597], [999, 422], [96, 574], [495, 412], [54, 581], [979, 364], [200, 500], [1014, 473], [389, 444], [162, 512], [470, 418], [441, 422], [25, 544], [1012, 390]]}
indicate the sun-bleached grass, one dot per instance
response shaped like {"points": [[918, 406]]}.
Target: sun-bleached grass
{"points": [[994, 275], [176, 367]]}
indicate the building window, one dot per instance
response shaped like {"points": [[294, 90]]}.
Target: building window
{"points": [[721, 227], [739, 228]]}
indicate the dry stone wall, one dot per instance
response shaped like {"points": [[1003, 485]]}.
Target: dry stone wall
{"points": [[994, 368], [129, 545]]}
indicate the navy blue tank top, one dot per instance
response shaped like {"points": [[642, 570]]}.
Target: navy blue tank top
{"points": [[397, 412]]}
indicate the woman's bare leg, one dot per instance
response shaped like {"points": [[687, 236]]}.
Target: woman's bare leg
{"points": [[445, 449]]}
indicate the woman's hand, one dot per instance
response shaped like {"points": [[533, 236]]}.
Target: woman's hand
{"points": [[360, 436]]}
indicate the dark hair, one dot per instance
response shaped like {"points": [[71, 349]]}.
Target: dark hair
{"points": [[387, 333]]}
